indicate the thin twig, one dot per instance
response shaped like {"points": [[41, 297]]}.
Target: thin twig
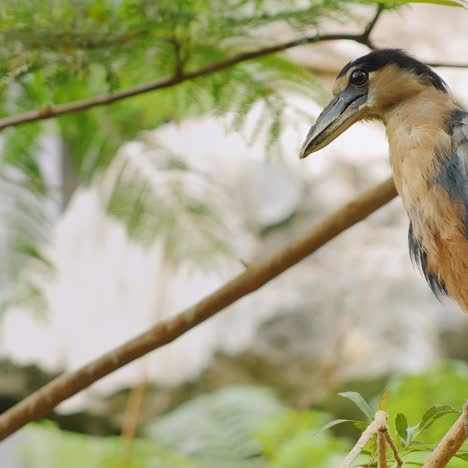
{"points": [[365, 37], [136, 396], [258, 274], [131, 423], [447, 65], [451, 443], [396, 455], [377, 427], [381, 450], [379, 423]]}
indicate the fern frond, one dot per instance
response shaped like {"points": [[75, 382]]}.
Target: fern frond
{"points": [[159, 196], [26, 223]]}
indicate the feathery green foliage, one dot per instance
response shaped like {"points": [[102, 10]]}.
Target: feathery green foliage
{"points": [[247, 426], [57, 51]]}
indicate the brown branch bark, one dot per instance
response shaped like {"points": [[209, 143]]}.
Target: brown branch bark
{"points": [[378, 424], [254, 277], [131, 423], [451, 442], [446, 65], [381, 450], [396, 455], [377, 427]]}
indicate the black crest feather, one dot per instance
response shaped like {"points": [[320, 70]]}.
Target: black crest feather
{"points": [[382, 57]]}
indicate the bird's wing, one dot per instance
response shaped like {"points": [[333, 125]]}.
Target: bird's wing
{"points": [[454, 170], [453, 179]]}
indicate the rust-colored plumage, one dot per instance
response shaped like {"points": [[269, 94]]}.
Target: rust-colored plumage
{"points": [[428, 141]]}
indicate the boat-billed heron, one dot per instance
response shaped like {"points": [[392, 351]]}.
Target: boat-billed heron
{"points": [[428, 140]]}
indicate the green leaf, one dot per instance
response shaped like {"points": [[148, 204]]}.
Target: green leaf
{"points": [[333, 423], [462, 456], [419, 448], [48, 446], [359, 401], [361, 425], [336, 422], [401, 425], [434, 413], [218, 425], [411, 433], [443, 384]]}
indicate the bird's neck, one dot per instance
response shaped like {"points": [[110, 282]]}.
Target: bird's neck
{"points": [[427, 107], [415, 127]]}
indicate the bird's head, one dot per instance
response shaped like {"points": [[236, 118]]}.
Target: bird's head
{"points": [[367, 88]]}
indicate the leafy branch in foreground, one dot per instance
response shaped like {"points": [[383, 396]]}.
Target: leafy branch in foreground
{"points": [[406, 441]]}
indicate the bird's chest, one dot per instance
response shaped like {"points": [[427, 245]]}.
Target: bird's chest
{"points": [[425, 179], [415, 167], [418, 157]]}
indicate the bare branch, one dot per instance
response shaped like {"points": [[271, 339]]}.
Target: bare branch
{"points": [[451, 443], [447, 65], [254, 277], [365, 37]]}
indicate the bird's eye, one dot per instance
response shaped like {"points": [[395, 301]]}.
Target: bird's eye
{"points": [[359, 77]]}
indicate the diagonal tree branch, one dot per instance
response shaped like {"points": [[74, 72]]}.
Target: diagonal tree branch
{"points": [[254, 277], [451, 442]]}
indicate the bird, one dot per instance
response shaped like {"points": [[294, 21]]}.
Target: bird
{"points": [[427, 133]]}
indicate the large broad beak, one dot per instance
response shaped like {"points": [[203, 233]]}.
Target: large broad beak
{"points": [[344, 110]]}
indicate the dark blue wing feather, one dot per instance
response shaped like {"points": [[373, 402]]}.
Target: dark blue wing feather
{"points": [[453, 176]]}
